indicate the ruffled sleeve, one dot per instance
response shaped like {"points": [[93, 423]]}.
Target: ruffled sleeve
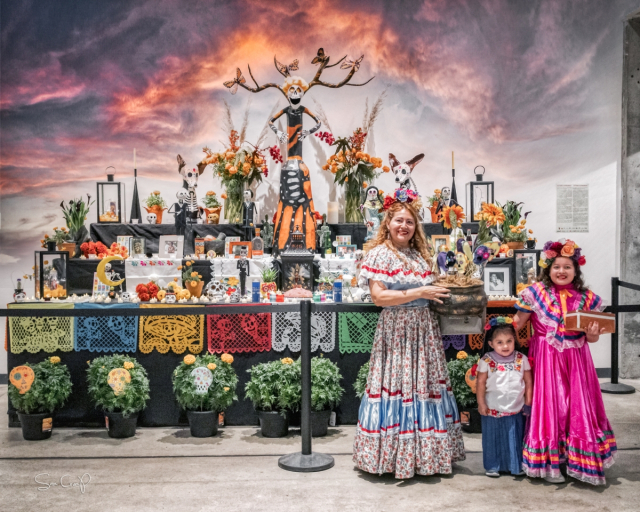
{"points": [[483, 366], [526, 300], [383, 264], [593, 302]]}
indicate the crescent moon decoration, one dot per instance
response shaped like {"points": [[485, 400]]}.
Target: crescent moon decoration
{"points": [[100, 271]]}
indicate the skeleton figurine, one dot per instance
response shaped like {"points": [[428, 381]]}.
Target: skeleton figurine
{"points": [[111, 275], [243, 267], [179, 211], [192, 210], [248, 209], [296, 201], [371, 210], [446, 200]]}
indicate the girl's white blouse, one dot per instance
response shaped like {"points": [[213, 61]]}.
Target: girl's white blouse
{"points": [[505, 384]]}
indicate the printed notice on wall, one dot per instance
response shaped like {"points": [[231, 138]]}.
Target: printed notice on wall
{"points": [[572, 208]]}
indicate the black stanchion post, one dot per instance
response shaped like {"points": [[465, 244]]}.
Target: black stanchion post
{"points": [[306, 461], [614, 386]]}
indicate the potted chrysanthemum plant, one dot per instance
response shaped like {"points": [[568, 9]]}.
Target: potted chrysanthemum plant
{"points": [[205, 386], [274, 388], [360, 385], [464, 394], [119, 385], [36, 391], [326, 393], [191, 279]]}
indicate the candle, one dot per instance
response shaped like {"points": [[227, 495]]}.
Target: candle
{"points": [[332, 212], [452, 166], [134, 158]]}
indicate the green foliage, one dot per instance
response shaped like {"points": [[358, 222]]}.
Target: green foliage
{"points": [[360, 385], [155, 200], [461, 390], [221, 392], [512, 214], [269, 274], [211, 201], [136, 393], [326, 390], [49, 391], [75, 213], [274, 386]]}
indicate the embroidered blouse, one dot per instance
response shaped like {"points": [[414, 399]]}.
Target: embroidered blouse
{"points": [[403, 270], [549, 307], [505, 384]]}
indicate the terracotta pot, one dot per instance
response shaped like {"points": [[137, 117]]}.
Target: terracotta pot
{"points": [[196, 290], [209, 211], [432, 209], [266, 288], [70, 247], [158, 210], [515, 245]]}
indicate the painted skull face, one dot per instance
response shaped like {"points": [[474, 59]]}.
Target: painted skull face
{"points": [[182, 194], [152, 218], [446, 193], [171, 298], [295, 94], [213, 218], [402, 172], [247, 195], [19, 296], [190, 176], [243, 252], [107, 267], [202, 378], [372, 193], [125, 296]]}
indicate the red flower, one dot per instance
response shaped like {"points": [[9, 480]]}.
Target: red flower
{"points": [[265, 171], [101, 248], [273, 220], [474, 370], [388, 201], [501, 368], [143, 296], [317, 216], [556, 246], [153, 289], [582, 260], [141, 288]]}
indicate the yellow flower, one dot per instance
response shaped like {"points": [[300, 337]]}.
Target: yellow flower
{"points": [[189, 359], [194, 274], [156, 192], [212, 366], [223, 196], [246, 167], [286, 360], [188, 263], [175, 279], [462, 355], [226, 358], [386, 168], [227, 388], [128, 365], [46, 236], [54, 359], [232, 170], [162, 294], [531, 231], [508, 320], [180, 267], [193, 284], [55, 228], [232, 281]]}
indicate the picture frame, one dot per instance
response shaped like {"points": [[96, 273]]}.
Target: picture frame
{"points": [[439, 240], [137, 247], [227, 242], [125, 241], [498, 280], [171, 247], [526, 259], [343, 239], [347, 251], [234, 247]]}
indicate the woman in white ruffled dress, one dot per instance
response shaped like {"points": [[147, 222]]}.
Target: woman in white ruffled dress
{"points": [[408, 421]]}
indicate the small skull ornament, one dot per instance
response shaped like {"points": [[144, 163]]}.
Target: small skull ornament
{"points": [[202, 378], [118, 379], [22, 377], [170, 298], [213, 218], [152, 218], [126, 296]]}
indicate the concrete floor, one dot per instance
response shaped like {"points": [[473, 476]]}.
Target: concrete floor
{"points": [[166, 469]]}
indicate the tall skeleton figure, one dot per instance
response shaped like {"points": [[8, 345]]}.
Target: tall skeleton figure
{"points": [[295, 207], [191, 209]]}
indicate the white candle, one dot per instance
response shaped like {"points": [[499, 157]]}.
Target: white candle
{"points": [[134, 158], [332, 212]]}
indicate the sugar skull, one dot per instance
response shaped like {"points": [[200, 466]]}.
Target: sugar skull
{"points": [[170, 298], [126, 296], [470, 378], [152, 218], [202, 378], [403, 171], [213, 218], [22, 377], [118, 379]]}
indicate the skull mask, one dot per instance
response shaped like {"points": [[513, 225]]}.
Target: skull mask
{"points": [[170, 298], [202, 378], [152, 218]]}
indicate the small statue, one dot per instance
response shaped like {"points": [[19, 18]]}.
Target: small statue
{"points": [[445, 200], [325, 236], [371, 210], [267, 234], [180, 212], [243, 267]]}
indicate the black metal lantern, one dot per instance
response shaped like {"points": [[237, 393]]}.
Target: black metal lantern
{"points": [[50, 272], [478, 192], [297, 264], [109, 200]]}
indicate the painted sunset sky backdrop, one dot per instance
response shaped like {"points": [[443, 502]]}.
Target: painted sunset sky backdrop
{"points": [[527, 88]]}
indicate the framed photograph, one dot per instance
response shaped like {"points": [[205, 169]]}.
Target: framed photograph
{"points": [[438, 241], [228, 241], [527, 265], [347, 251], [137, 247], [497, 280], [171, 247], [235, 247]]}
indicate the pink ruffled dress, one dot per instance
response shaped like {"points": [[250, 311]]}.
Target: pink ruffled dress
{"points": [[408, 420], [568, 423]]}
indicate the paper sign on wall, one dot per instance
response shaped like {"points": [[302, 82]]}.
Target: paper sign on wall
{"points": [[572, 208]]}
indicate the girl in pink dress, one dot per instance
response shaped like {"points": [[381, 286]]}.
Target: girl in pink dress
{"points": [[568, 423]]}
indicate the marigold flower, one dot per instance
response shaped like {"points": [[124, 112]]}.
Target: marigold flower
{"points": [[227, 388], [233, 170], [156, 192], [211, 193], [364, 184], [188, 263], [189, 359], [128, 365], [462, 355], [227, 166], [162, 294], [386, 168], [194, 274], [212, 366], [226, 358], [286, 360], [223, 196], [531, 231], [54, 359]]}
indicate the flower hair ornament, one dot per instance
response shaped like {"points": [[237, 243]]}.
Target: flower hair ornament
{"points": [[498, 321], [565, 248], [402, 195]]}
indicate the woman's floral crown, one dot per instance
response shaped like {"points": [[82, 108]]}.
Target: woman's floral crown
{"points": [[497, 321], [564, 248], [401, 195]]}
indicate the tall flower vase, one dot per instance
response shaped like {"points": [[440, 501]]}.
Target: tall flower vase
{"points": [[352, 202], [233, 202]]}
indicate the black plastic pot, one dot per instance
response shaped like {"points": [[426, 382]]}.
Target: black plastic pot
{"points": [[320, 422], [203, 423], [273, 424], [36, 427], [470, 420], [120, 427]]}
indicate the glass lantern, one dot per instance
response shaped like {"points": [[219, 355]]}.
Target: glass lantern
{"points": [[297, 264], [478, 192], [109, 204], [51, 274]]}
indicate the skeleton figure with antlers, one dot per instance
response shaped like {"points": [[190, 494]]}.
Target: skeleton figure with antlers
{"points": [[295, 206]]}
